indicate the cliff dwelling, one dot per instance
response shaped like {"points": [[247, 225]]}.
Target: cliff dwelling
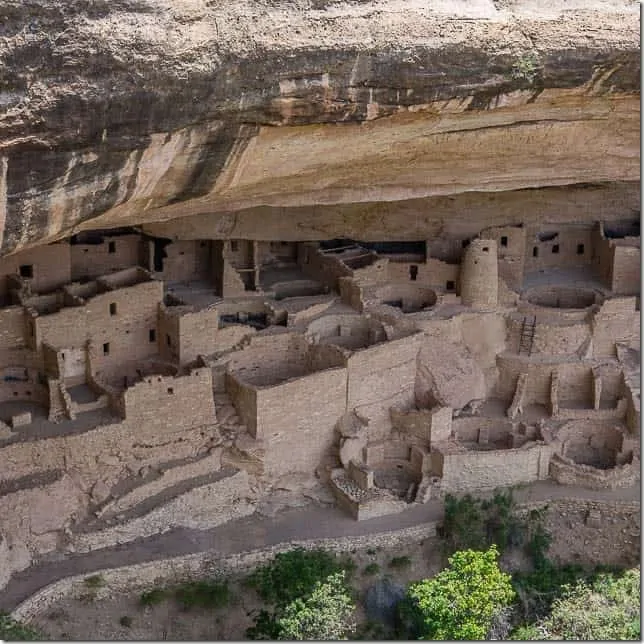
{"points": [[394, 267]]}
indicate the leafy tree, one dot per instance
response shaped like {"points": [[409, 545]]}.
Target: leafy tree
{"points": [[292, 575], [11, 630], [460, 603], [606, 609], [323, 615]]}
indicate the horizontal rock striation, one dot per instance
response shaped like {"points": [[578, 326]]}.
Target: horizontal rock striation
{"points": [[318, 117]]}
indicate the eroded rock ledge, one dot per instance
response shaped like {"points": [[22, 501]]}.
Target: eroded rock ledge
{"points": [[403, 115]]}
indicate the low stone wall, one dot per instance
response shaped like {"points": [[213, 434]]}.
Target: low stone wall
{"points": [[138, 577], [567, 472]]}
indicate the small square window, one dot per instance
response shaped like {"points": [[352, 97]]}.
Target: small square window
{"points": [[486, 249], [535, 251], [555, 249], [504, 241], [111, 247], [580, 249], [113, 308], [170, 390], [152, 334], [27, 270], [106, 349], [234, 246], [450, 285]]}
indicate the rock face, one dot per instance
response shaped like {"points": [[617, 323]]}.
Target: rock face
{"points": [[315, 118]]}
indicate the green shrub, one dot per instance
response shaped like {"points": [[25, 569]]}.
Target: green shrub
{"points": [[12, 630], [371, 569], [293, 575], [203, 594], [95, 581], [474, 524], [606, 609], [153, 597], [400, 562]]}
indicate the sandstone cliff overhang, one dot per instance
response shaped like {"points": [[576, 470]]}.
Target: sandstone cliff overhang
{"points": [[139, 111]]}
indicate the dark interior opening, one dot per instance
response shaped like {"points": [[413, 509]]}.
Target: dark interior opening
{"points": [[27, 270], [159, 253], [413, 272]]}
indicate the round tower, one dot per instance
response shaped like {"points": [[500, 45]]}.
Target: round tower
{"points": [[480, 275]]}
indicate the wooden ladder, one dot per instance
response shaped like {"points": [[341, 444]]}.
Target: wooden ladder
{"points": [[527, 334]]}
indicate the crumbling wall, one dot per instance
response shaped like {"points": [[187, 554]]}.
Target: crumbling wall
{"points": [[566, 472], [324, 268], [13, 346], [618, 320], [47, 267], [550, 338]]}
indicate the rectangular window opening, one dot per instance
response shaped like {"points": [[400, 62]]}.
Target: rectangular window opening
{"points": [[170, 390], [106, 349], [27, 271], [168, 340], [580, 249], [111, 247], [113, 308], [504, 241], [152, 335], [450, 285], [234, 246], [555, 249], [535, 251]]}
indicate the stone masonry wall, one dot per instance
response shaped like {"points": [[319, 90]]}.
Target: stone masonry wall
{"points": [[477, 470], [297, 420], [618, 320], [113, 254], [181, 402], [12, 336], [626, 270], [50, 265], [380, 377]]}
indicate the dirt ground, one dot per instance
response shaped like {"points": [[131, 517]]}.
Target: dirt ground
{"points": [[616, 541], [80, 617]]}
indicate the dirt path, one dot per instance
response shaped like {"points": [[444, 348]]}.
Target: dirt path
{"points": [[257, 532]]}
